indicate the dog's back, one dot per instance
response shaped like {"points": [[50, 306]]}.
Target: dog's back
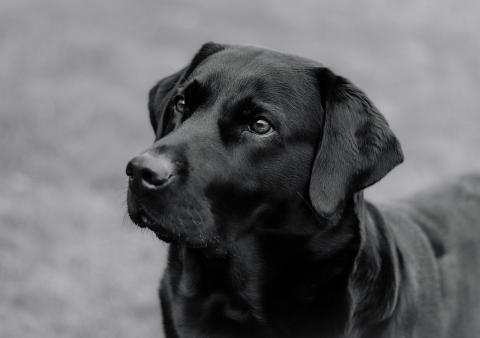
{"points": [[440, 229]]}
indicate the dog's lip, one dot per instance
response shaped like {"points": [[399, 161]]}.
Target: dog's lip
{"points": [[163, 235], [144, 220]]}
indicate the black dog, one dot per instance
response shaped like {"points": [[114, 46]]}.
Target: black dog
{"points": [[256, 177]]}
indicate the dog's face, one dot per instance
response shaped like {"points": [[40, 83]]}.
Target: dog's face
{"points": [[244, 140]]}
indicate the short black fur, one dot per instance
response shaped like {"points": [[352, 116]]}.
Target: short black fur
{"points": [[270, 235]]}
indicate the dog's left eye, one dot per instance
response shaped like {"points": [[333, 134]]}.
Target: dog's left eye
{"points": [[260, 126], [179, 103]]}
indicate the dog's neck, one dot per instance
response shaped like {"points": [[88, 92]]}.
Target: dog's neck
{"points": [[378, 278], [332, 278]]}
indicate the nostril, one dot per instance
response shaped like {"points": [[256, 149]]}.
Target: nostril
{"points": [[129, 169], [150, 171], [151, 177], [156, 179]]}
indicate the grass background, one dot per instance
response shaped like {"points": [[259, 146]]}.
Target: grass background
{"points": [[73, 83]]}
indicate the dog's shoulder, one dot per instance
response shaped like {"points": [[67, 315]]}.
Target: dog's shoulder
{"points": [[448, 215], [463, 191], [437, 235], [452, 207]]}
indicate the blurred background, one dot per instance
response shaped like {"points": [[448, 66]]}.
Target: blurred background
{"points": [[74, 78]]}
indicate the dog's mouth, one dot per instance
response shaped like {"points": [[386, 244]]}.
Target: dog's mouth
{"points": [[174, 222], [144, 220]]}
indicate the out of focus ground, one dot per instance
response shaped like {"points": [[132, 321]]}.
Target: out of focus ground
{"points": [[73, 84]]}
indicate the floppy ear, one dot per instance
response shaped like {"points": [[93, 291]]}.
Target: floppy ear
{"points": [[158, 98], [357, 147], [161, 94]]}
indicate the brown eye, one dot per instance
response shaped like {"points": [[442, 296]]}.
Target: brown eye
{"points": [[179, 103], [260, 126]]}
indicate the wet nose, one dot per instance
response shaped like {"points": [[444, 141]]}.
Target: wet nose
{"points": [[152, 171]]}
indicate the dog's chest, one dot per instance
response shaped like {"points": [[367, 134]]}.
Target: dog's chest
{"points": [[213, 315], [205, 301]]}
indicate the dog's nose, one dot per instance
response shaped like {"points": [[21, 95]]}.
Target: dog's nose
{"points": [[152, 171]]}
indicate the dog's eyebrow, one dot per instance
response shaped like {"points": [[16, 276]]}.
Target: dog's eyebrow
{"points": [[188, 85], [194, 91], [245, 105], [248, 106]]}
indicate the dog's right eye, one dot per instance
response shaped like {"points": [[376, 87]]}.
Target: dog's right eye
{"points": [[179, 103], [260, 126]]}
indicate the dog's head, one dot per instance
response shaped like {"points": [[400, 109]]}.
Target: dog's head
{"points": [[246, 138]]}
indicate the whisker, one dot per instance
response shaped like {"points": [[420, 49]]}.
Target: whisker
{"points": [[126, 218]]}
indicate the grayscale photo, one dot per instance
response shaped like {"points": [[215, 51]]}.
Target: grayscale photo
{"points": [[263, 169]]}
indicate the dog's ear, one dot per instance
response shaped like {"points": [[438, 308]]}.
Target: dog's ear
{"points": [[161, 94], [158, 98], [357, 147]]}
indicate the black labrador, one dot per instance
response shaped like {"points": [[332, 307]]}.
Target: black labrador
{"points": [[255, 177]]}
